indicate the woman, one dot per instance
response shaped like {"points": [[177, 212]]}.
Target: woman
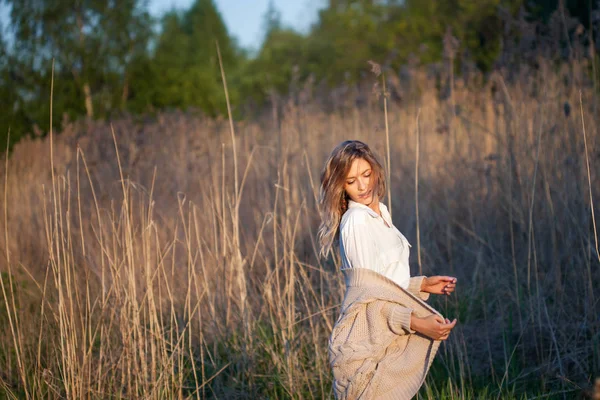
{"points": [[386, 336]]}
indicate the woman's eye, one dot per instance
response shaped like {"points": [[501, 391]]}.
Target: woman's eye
{"points": [[350, 183]]}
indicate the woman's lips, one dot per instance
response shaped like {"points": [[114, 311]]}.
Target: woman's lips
{"points": [[364, 196]]}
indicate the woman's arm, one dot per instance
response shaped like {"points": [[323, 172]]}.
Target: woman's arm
{"points": [[403, 321], [399, 318], [433, 326], [415, 286], [438, 284]]}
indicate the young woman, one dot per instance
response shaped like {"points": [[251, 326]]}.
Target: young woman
{"points": [[386, 336]]}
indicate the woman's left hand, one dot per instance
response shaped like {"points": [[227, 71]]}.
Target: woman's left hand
{"points": [[439, 284]]}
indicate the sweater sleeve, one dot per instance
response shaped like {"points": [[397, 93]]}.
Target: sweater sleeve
{"points": [[398, 318], [414, 286]]}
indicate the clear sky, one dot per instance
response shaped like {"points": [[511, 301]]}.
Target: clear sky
{"points": [[244, 18]]}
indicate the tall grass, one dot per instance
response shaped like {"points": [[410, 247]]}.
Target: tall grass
{"points": [[145, 269]]}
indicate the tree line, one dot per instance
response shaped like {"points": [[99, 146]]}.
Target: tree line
{"points": [[113, 57]]}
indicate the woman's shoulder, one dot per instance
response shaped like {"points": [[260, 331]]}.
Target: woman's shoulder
{"points": [[354, 217]]}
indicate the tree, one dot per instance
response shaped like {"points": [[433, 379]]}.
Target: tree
{"points": [[475, 23], [271, 20], [8, 119], [93, 41], [186, 58], [276, 64], [346, 35]]}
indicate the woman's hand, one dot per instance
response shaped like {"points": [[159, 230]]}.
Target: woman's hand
{"points": [[439, 284], [432, 326]]}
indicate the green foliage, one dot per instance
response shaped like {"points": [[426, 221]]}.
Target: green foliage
{"points": [[92, 44], [185, 63], [475, 23], [347, 34], [8, 96], [109, 58], [274, 68]]}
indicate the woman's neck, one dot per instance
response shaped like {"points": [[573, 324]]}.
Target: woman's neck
{"points": [[375, 205]]}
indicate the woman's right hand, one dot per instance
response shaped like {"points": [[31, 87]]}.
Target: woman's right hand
{"points": [[432, 326]]}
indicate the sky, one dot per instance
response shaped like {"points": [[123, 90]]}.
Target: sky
{"points": [[244, 18]]}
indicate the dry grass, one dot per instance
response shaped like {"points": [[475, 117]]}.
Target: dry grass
{"points": [[149, 268]]}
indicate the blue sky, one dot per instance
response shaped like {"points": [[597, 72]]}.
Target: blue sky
{"points": [[244, 18]]}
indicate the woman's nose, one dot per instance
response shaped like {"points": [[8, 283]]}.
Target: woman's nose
{"points": [[362, 184]]}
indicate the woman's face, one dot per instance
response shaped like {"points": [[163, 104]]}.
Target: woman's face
{"points": [[360, 181]]}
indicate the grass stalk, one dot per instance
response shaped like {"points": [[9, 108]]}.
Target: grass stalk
{"points": [[143, 300], [387, 144], [417, 152], [11, 313], [587, 163]]}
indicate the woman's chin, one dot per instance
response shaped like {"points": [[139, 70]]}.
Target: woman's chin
{"points": [[366, 200]]}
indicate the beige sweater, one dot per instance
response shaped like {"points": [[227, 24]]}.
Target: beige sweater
{"points": [[372, 350]]}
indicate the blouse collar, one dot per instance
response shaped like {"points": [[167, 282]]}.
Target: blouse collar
{"points": [[372, 213]]}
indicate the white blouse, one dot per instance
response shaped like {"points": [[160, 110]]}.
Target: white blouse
{"points": [[366, 242]]}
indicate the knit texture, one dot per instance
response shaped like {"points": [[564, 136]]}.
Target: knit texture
{"points": [[373, 352]]}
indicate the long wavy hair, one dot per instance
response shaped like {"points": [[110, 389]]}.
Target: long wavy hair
{"points": [[333, 199]]}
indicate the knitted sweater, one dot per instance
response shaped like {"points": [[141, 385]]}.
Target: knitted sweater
{"points": [[373, 352]]}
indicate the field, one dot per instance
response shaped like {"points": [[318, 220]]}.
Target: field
{"points": [[168, 256]]}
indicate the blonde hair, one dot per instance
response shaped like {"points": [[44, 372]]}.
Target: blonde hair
{"points": [[333, 199]]}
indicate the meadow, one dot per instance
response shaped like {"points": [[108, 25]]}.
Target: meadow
{"points": [[171, 256]]}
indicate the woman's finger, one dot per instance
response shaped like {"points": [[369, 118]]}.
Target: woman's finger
{"points": [[447, 327], [448, 288], [450, 324], [451, 279]]}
